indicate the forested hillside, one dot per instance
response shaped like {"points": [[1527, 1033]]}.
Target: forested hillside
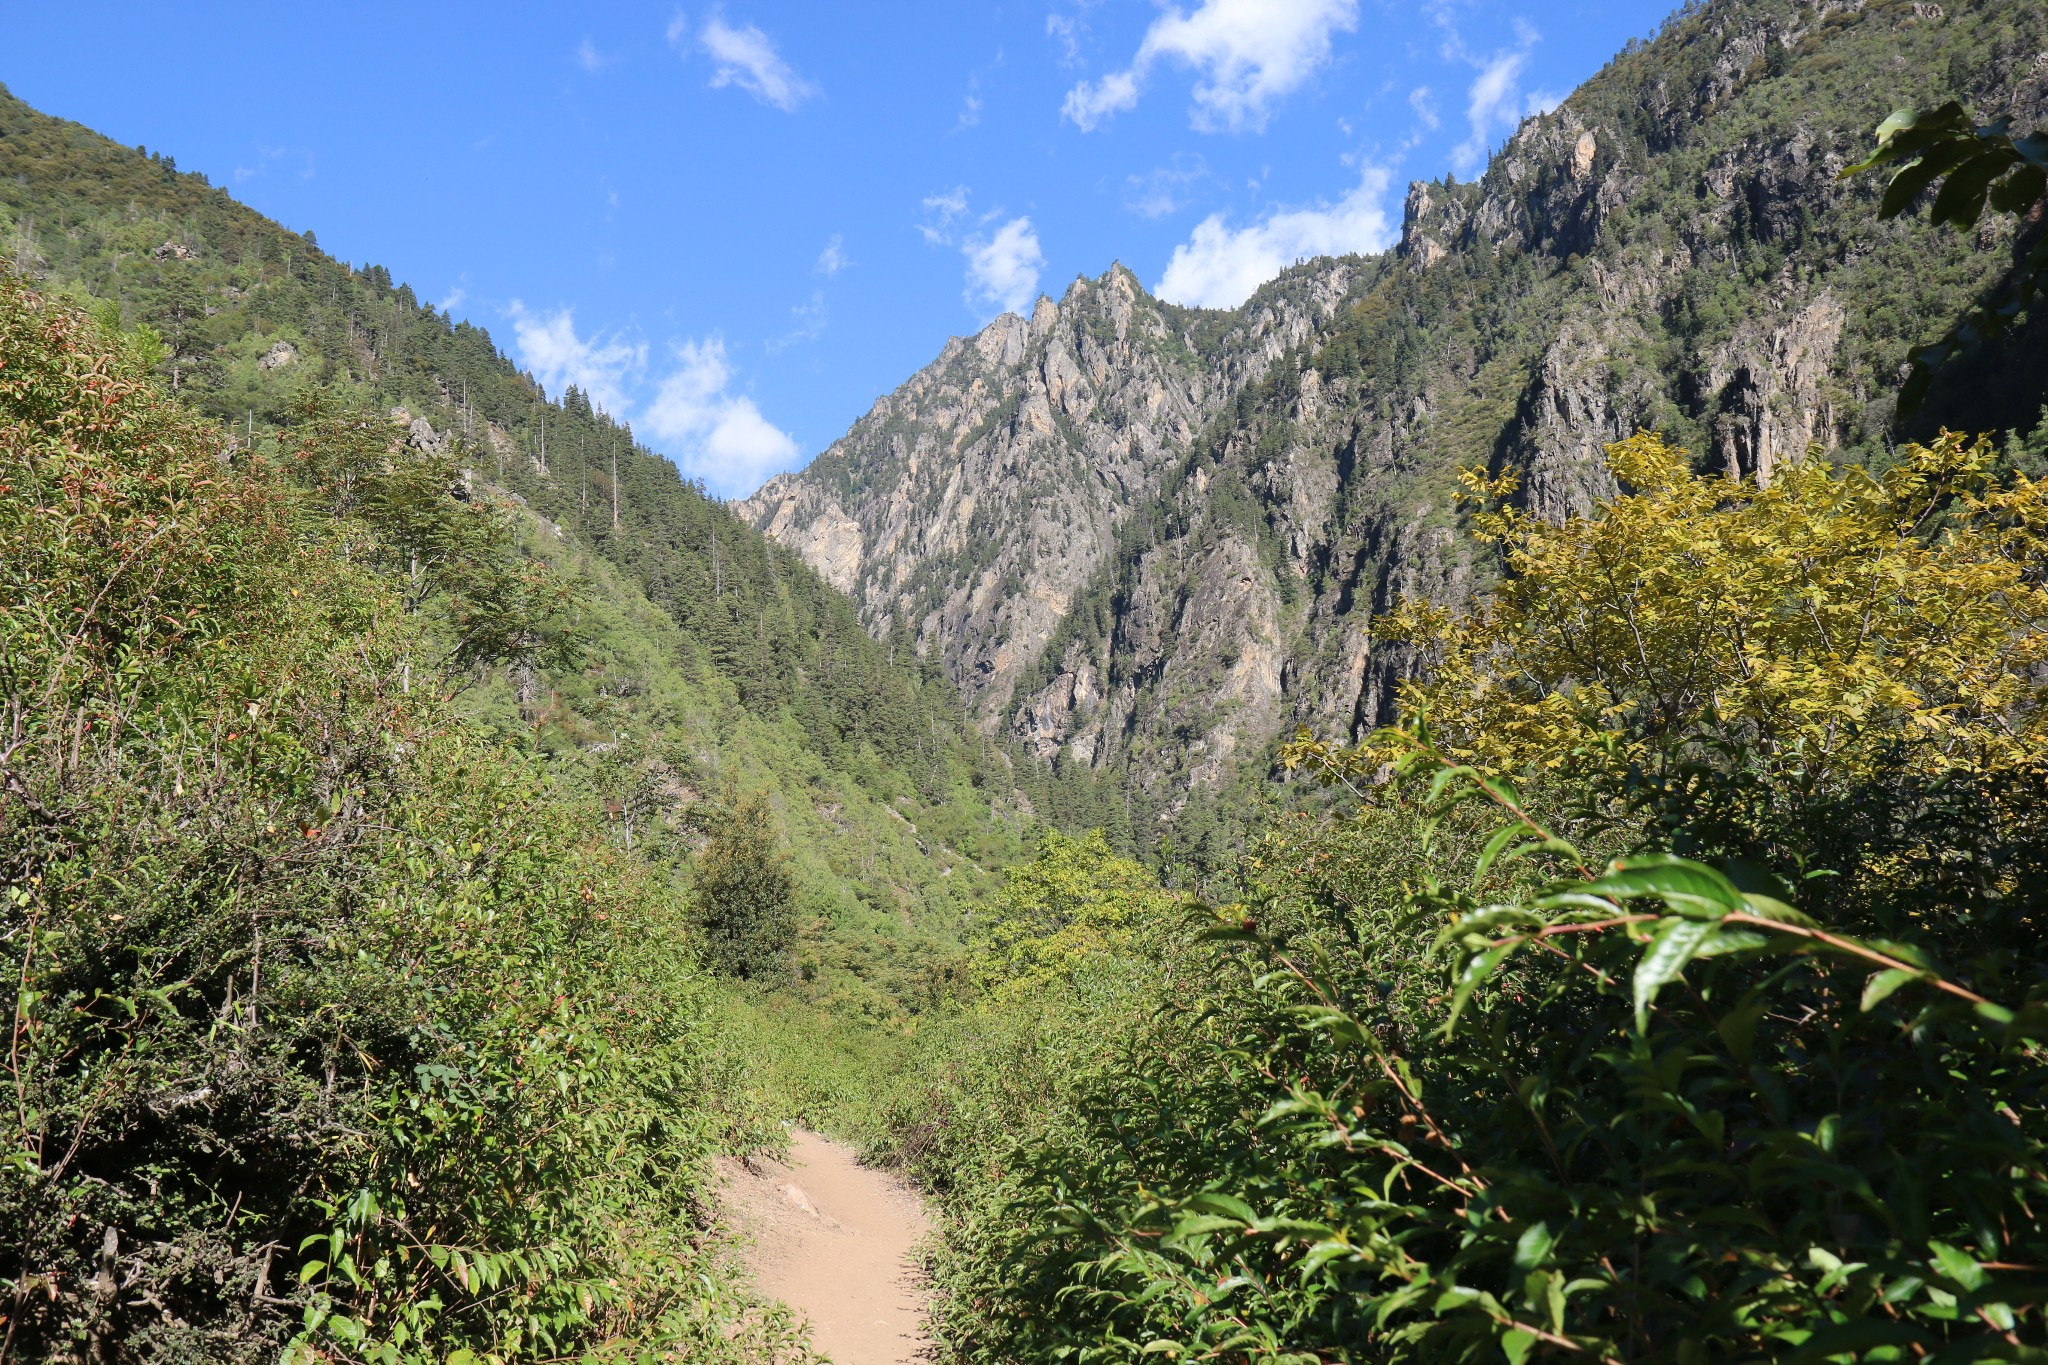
{"points": [[339, 1028], [711, 661], [1669, 248]]}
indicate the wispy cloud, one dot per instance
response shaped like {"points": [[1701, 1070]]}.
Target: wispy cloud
{"points": [[267, 157], [589, 58], [745, 57], [833, 258], [1065, 30], [1164, 189], [810, 318], [1248, 53], [941, 211], [712, 433], [1495, 102], [1423, 102], [1219, 266]]}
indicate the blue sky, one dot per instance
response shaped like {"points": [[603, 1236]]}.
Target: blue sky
{"points": [[738, 224]]}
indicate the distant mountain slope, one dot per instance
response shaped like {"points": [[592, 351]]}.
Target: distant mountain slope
{"points": [[1669, 248], [714, 652], [971, 505]]}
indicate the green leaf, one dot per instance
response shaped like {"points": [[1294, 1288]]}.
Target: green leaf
{"points": [[1857, 1334], [1533, 1247], [1201, 1225], [1961, 201], [1502, 837], [1227, 1205], [1690, 888], [2018, 191], [1515, 1344], [1475, 972], [1671, 947], [1956, 1265], [1882, 984]]}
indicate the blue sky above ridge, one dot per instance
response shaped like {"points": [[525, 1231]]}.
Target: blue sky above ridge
{"points": [[736, 225]]}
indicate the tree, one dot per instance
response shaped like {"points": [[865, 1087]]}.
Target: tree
{"points": [[745, 891], [1075, 902], [1980, 167]]}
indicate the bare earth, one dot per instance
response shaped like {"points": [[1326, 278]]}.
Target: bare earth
{"points": [[833, 1240]]}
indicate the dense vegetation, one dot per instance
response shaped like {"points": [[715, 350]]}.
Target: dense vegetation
{"points": [[337, 1022], [1719, 1037], [424, 853], [713, 659]]}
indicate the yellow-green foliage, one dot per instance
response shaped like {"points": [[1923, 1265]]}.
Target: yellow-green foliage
{"points": [[1817, 619], [1768, 1085], [1822, 619], [1073, 902]]}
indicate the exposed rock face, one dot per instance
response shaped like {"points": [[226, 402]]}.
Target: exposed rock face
{"points": [[970, 506], [1152, 539], [280, 354]]}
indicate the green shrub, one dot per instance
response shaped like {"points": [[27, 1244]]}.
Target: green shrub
{"points": [[334, 1024]]}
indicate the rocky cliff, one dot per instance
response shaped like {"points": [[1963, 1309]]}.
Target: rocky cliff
{"points": [[971, 506], [1152, 539]]}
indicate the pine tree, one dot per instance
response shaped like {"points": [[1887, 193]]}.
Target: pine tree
{"points": [[746, 892]]}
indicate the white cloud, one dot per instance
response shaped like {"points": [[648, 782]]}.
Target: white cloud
{"points": [[721, 437], [589, 58], [746, 58], [810, 321], [1002, 265], [455, 299], [832, 259], [1002, 269], [1494, 103], [1065, 29], [605, 368], [970, 113], [1087, 105], [1220, 266], [725, 441], [1248, 53], [943, 208]]}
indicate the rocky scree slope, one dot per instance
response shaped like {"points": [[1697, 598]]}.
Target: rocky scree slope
{"points": [[1133, 549]]}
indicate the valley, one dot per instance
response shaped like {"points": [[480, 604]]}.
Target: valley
{"points": [[1486, 802]]}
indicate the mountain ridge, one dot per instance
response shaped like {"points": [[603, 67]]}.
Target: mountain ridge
{"points": [[1669, 248]]}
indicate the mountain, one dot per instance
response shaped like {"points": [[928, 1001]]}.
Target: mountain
{"points": [[971, 506], [1146, 540], [711, 656]]}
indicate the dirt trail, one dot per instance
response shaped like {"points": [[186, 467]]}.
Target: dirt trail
{"points": [[832, 1239]]}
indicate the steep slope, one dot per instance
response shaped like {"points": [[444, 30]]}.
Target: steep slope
{"points": [[712, 655], [971, 505], [1669, 248]]}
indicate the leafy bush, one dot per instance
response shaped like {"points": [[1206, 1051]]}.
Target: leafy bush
{"points": [[333, 1023], [1452, 1088]]}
